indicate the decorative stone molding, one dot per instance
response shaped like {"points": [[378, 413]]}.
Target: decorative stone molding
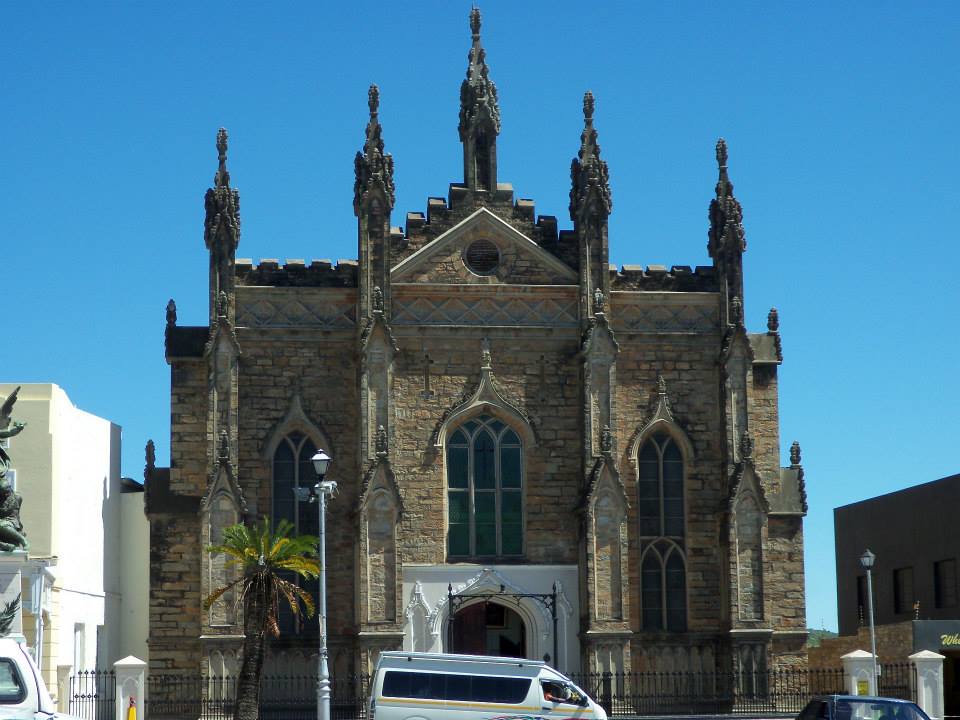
{"points": [[296, 419], [485, 397], [295, 308], [486, 311], [661, 418]]}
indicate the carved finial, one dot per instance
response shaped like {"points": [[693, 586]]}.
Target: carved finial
{"points": [[746, 446], [795, 454], [222, 304], [222, 178], [726, 216], [598, 301], [590, 177], [661, 385], [736, 310], [150, 454], [773, 320], [222, 204], [475, 22], [479, 113], [223, 453], [722, 156], [377, 299], [171, 313], [381, 441], [606, 439], [373, 168], [485, 356]]}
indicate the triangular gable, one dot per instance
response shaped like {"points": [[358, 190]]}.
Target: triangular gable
{"points": [[491, 225]]}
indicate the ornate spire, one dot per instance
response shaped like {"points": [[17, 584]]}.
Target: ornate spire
{"points": [[590, 179], [726, 216], [373, 167], [222, 223], [479, 116]]}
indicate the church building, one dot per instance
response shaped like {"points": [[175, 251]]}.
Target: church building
{"points": [[538, 454]]}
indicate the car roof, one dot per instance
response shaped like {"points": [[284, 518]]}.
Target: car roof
{"points": [[864, 698]]}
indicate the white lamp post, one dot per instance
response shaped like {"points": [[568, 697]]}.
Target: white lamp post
{"points": [[866, 562], [320, 491]]}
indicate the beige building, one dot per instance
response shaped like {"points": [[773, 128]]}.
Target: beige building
{"points": [[86, 527], [538, 454]]}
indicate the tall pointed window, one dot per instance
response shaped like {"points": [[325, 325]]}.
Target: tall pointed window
{"points": [[484, 490], [291, 469], [660, 501]]}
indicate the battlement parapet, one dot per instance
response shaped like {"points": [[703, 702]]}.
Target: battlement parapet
{"points": [[296, 273], [679, 278]]}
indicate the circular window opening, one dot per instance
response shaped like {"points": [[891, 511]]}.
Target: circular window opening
{"points": [[482, 257]]}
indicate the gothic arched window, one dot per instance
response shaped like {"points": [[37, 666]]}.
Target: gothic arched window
{"points": [[660, 499], [484, 490], [292, 469]]}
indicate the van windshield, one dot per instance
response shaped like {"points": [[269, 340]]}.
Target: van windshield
{"points": [[444, 686]]}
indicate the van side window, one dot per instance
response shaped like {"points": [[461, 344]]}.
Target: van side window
{"points": [[11, 686], [441, 686]]}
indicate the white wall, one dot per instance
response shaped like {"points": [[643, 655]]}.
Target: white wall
{"points": [[68, 472]]}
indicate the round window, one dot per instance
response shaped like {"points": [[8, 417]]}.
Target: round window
{"points": [[482, 257]]}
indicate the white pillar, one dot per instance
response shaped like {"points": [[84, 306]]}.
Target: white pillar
{"points": [[858, 673], [928, 667], [131, 684]]}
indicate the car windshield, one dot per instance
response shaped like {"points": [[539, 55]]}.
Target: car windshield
{"points": [[877, 710]]}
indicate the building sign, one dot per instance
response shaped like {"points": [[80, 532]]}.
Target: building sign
{"points": [[950, 640]]}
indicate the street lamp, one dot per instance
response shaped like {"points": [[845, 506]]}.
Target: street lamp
{"points": [[866, 562], [320, 491]]}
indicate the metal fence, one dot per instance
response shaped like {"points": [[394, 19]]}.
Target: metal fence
{"points": [[287, 697], [293, 697], [785, 690], [93, 694]]}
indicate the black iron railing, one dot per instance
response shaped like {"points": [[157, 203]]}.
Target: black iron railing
{"points": [[709, 693], [92, 694], [293, 697]]}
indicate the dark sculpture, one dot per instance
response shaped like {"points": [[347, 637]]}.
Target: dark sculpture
{"points": [[11, 529]]}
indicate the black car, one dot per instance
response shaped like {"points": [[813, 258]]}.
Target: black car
{"points": [[860, 707]]}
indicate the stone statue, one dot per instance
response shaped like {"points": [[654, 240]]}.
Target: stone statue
{"points": [[11, 529]]}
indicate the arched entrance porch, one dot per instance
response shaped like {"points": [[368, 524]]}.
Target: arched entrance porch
{"points": [[489, 628]]}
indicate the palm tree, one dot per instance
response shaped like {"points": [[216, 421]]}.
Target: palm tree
{"points": [[262, 555]]}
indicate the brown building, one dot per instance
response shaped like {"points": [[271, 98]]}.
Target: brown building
{"points": [[579, 461]]}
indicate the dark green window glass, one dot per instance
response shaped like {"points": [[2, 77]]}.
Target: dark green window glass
{"points": [[457, 469], [458, 537], [485, 470], [510, 467], [459, 507], [511, 539], [485, 507], [484, 462], [511, 508], [676, 594], [660, 488], [651, 592], [486, 539]]}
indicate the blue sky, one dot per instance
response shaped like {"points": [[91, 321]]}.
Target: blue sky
{"points": [[841, 118]]}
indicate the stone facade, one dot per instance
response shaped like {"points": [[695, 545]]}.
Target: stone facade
{"points": [[637, 515]]}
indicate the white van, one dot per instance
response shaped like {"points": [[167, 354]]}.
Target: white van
{"points": [[434, 686]]}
